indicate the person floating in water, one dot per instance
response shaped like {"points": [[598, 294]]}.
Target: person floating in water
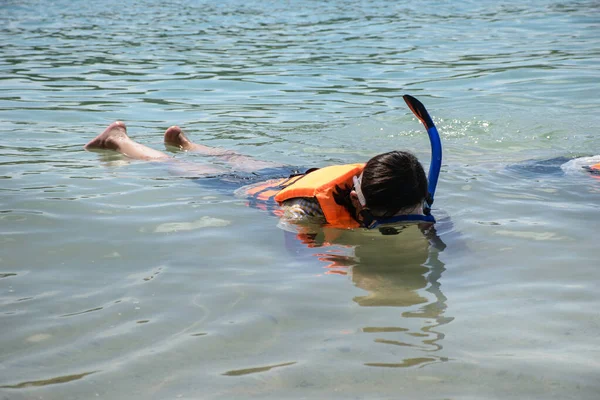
{"points": [[594, 169], [389, 188]]}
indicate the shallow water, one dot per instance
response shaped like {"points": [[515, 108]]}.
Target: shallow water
{"points": [[124, 280]]}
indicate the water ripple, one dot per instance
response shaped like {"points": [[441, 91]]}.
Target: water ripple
{"points": [[119, 266]]}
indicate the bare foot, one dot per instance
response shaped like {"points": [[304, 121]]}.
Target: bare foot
{"points": [[109, 139], [174, 137]]}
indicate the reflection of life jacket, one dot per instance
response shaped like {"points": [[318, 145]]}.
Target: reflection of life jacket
{"points": [[319, 184]]}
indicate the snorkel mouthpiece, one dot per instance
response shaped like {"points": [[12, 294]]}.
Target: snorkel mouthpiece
{"points": [[436, 147]]}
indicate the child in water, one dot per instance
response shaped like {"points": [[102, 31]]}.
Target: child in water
{"points": [[391, 187], [388, 185]]}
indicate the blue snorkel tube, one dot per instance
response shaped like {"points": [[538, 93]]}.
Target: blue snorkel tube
{"points": [[436, 148]]}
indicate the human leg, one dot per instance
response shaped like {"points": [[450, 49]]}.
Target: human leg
{"points": [[114, 137], [239, 162]]}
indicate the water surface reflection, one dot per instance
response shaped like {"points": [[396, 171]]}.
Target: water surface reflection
{"points": [[399, 269]]}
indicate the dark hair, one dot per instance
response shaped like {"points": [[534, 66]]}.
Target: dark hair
{"points": [[391, 182]]}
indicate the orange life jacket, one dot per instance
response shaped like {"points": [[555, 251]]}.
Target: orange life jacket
{"points": [[596, 167], [319, 184]]}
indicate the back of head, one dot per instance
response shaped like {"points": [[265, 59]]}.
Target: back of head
{"points": [[393, 182]]}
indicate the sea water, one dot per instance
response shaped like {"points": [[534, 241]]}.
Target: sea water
{"points": [[122, 279]]}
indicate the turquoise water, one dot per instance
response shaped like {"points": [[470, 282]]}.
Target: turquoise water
{"points": [[120, 279]]}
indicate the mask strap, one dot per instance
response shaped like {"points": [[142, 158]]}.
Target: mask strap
{"points": [[358, 190]]}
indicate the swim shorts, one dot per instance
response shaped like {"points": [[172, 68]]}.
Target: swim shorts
{"points": [[229, 183]]}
